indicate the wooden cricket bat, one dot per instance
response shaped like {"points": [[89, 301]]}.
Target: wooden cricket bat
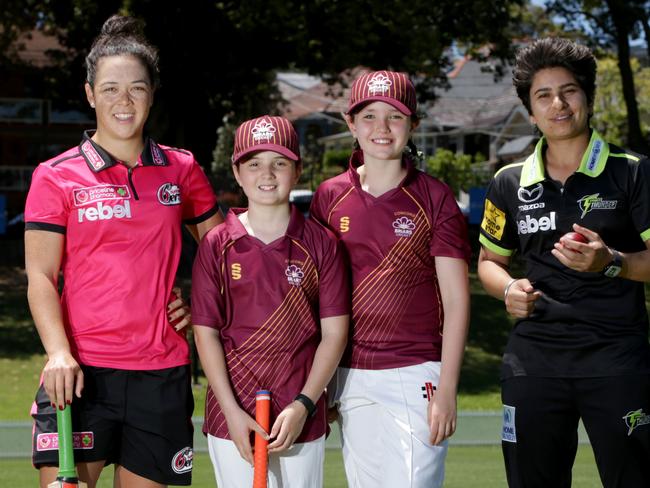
{"points": [[67, 477], [260, 454]]}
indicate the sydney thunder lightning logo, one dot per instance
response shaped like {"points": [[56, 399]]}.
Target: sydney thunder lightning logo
{"points": [[593, 202], [634, 419]]}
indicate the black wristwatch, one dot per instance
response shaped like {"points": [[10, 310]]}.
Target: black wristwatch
{"points": [[615, 266], [306, 401]]}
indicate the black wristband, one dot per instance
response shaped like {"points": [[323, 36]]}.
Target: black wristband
{"points": [[306, 401]]}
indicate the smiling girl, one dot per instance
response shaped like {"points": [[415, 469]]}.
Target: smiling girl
{"points": [[407, 242], [270, 304]]}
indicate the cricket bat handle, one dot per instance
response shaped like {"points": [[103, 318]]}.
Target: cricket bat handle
{"points": [[260, 455]]}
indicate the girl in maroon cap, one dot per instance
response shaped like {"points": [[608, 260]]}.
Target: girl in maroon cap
{"points": [[270, 304], [406, 238]]}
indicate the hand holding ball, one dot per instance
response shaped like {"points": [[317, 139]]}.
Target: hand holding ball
{"points": [[575, 236]]}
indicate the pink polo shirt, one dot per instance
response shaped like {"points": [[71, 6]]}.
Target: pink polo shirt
{"points": [[122, 232]]}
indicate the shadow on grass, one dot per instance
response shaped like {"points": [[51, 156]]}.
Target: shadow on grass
{"points": [[18, 336]]}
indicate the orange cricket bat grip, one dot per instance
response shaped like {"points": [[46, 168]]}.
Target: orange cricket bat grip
{"points": [[260, 454]]}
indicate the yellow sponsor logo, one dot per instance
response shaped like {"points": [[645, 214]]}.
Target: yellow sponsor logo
{"points": [[494, 220], [344, 224], [235, 271]]}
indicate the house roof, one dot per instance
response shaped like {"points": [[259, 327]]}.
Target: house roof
{"points": [[475, 98], [516, 146]]}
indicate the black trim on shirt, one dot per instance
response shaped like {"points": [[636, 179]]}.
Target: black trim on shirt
{"points": [[52, 165], [59, 229], [203, 217]]}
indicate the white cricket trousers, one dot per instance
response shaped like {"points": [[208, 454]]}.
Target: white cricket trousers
{"points": [[384, 428], [299, 467]]}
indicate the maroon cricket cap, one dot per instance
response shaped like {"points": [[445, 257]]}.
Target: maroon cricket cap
{"points": [[384, 86], [266, 133]]}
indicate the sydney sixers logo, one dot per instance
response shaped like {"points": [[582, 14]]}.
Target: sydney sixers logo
{"points": [[182, 460], [294, 275], [404, 227], [379, 84], [263, 131], [169, 194]]}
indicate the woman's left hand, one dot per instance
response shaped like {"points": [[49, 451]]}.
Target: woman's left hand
{"points": [[178, 312], [441, 416], [591, 256], [287, 427]]}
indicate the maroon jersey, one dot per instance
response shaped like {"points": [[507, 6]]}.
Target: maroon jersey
{"points": [[392, 240], [266, 301]]}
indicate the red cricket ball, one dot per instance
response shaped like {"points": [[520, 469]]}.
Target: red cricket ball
{"points": [[575, 236]]}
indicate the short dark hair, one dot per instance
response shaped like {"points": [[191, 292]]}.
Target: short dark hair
{"points": [[121, 35], [554, 52]]}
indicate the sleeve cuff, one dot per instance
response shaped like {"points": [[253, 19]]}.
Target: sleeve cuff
{"points": [[494, 248], [60, 229], [203, 216]]}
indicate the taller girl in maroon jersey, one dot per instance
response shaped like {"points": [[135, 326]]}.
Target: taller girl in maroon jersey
{"points": [[396, 387], [108, 213]]}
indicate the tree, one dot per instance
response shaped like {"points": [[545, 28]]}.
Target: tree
{"points": [[612, 23], [456, 170], [218, 57], [610, 113]]}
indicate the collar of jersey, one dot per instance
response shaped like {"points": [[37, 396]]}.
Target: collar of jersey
{"points": [[236, 229], [593, 161], [98, 159], [356, 160]]}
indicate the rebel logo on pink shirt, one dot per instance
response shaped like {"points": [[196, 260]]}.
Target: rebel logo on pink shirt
{"points": [[294, 275], [84, 196]]}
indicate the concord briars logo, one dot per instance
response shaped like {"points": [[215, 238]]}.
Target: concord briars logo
{"points": [[379, 84], [404, 227], [532, 195], [263, 131], [294, 275]]}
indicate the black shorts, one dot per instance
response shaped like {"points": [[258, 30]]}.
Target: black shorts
{"points": [[540, 427], [141, 420]]}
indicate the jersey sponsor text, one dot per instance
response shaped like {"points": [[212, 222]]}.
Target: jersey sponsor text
{"points": [[494, 220], [104, 212], [532, 225]]}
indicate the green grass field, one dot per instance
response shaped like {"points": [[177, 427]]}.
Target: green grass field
{"points": [[467, 467], [21, 360]]}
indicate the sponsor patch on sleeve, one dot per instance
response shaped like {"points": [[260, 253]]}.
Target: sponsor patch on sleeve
{"points": [[494, 220], [509, 432]]}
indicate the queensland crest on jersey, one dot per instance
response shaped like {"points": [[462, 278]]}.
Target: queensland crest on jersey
{"points": [[294, 275], [263, 131], [404, 227], [169, 194], [379, 84], [182, 460], [494, 220]]}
